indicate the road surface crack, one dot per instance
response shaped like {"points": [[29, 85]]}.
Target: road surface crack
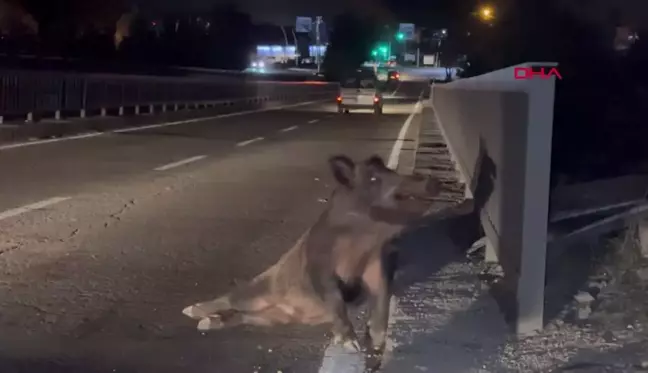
{"points": [[116, 217], [8, 249]]}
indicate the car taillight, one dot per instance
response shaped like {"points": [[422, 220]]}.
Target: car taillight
{"points": [[339, 98], [376, 98], [397, 76]]}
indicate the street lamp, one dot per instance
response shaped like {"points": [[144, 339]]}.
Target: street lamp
{"points": [[486, 13]]}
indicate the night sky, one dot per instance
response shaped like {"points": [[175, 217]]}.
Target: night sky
{"points": [[275, 11], [284, 12]]}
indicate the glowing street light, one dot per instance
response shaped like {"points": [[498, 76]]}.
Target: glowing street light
{"points": [[486, 13]]}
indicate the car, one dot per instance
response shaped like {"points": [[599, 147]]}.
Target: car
{"points": [[393, 75], [361, 90]]}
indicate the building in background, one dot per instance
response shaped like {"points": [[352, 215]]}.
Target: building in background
{"points": [[280, 44]]}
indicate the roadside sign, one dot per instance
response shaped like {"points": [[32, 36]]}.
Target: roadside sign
{"points": [[429, 59], [408, 30], [304, 24]]}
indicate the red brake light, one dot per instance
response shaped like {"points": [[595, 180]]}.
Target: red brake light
{"points": [[339, 98], [397, 76], [376, 98]]}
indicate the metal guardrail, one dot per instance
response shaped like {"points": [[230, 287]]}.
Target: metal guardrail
{"points": [[26, 93]]}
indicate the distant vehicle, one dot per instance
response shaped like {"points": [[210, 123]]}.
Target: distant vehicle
{"points": [[361, 90], [393, 75]]}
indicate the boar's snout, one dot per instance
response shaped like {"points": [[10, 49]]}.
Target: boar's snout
{"points": [[420, 186]]}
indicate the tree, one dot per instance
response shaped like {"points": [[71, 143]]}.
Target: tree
{"points": [[57, 21], [230, 38], [141, 45], [595, 130], [352, 39]]}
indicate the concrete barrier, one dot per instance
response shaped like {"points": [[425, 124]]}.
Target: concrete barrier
{"points": [[499, 131]]}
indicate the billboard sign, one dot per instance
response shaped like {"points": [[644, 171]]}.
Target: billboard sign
{"points": [[408, 30]]}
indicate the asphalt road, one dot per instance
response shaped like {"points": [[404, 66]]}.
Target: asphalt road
{"points": [[104, 240]]}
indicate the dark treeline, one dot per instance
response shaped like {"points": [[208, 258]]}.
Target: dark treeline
{"points": [[218, 38], [600, 111], [221, 38], [353, 37]]}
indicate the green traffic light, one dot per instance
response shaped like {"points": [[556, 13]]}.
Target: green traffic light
{"points": [[383, 50], [400, 36], [374, 52]]}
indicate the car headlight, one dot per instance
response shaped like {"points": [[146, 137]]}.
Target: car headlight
{"points": [[254, 64], [261, 64]]}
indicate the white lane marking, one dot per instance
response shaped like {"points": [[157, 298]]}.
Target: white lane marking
{"points": [[398, 145], [336, 359], [158, 125], [313, 121], [248, 142], [47, 141], [393, 94], [31, 207], [180, 163], [288, 129]]}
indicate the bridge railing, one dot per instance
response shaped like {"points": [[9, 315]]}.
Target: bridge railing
{"points": [[499, 131], [36, 93]]}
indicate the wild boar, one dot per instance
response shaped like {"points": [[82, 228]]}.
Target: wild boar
{"points": [[341, 259]]}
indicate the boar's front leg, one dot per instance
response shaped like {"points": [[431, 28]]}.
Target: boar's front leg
{"points": [[377, 278], [328, 287]]}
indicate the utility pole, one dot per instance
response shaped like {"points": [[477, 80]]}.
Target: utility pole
{"points": [[318, 21], [286, 40], [419, 36], [296, 48]]}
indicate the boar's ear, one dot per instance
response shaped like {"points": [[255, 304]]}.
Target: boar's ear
{"points": [[343, 169], [376, 164]]}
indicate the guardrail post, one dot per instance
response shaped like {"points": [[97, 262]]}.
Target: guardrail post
{"points": [[122, 90], [84, 98], [30, 117], [137, 109], [1, 119], [175, 107], [164, 108], [151, 109], [57, 115], [103, 112]]}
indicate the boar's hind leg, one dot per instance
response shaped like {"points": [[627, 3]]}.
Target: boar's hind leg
{"points": [[377, 277], [229, 311], [267, 317], [250, 297], [205, 309]]}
